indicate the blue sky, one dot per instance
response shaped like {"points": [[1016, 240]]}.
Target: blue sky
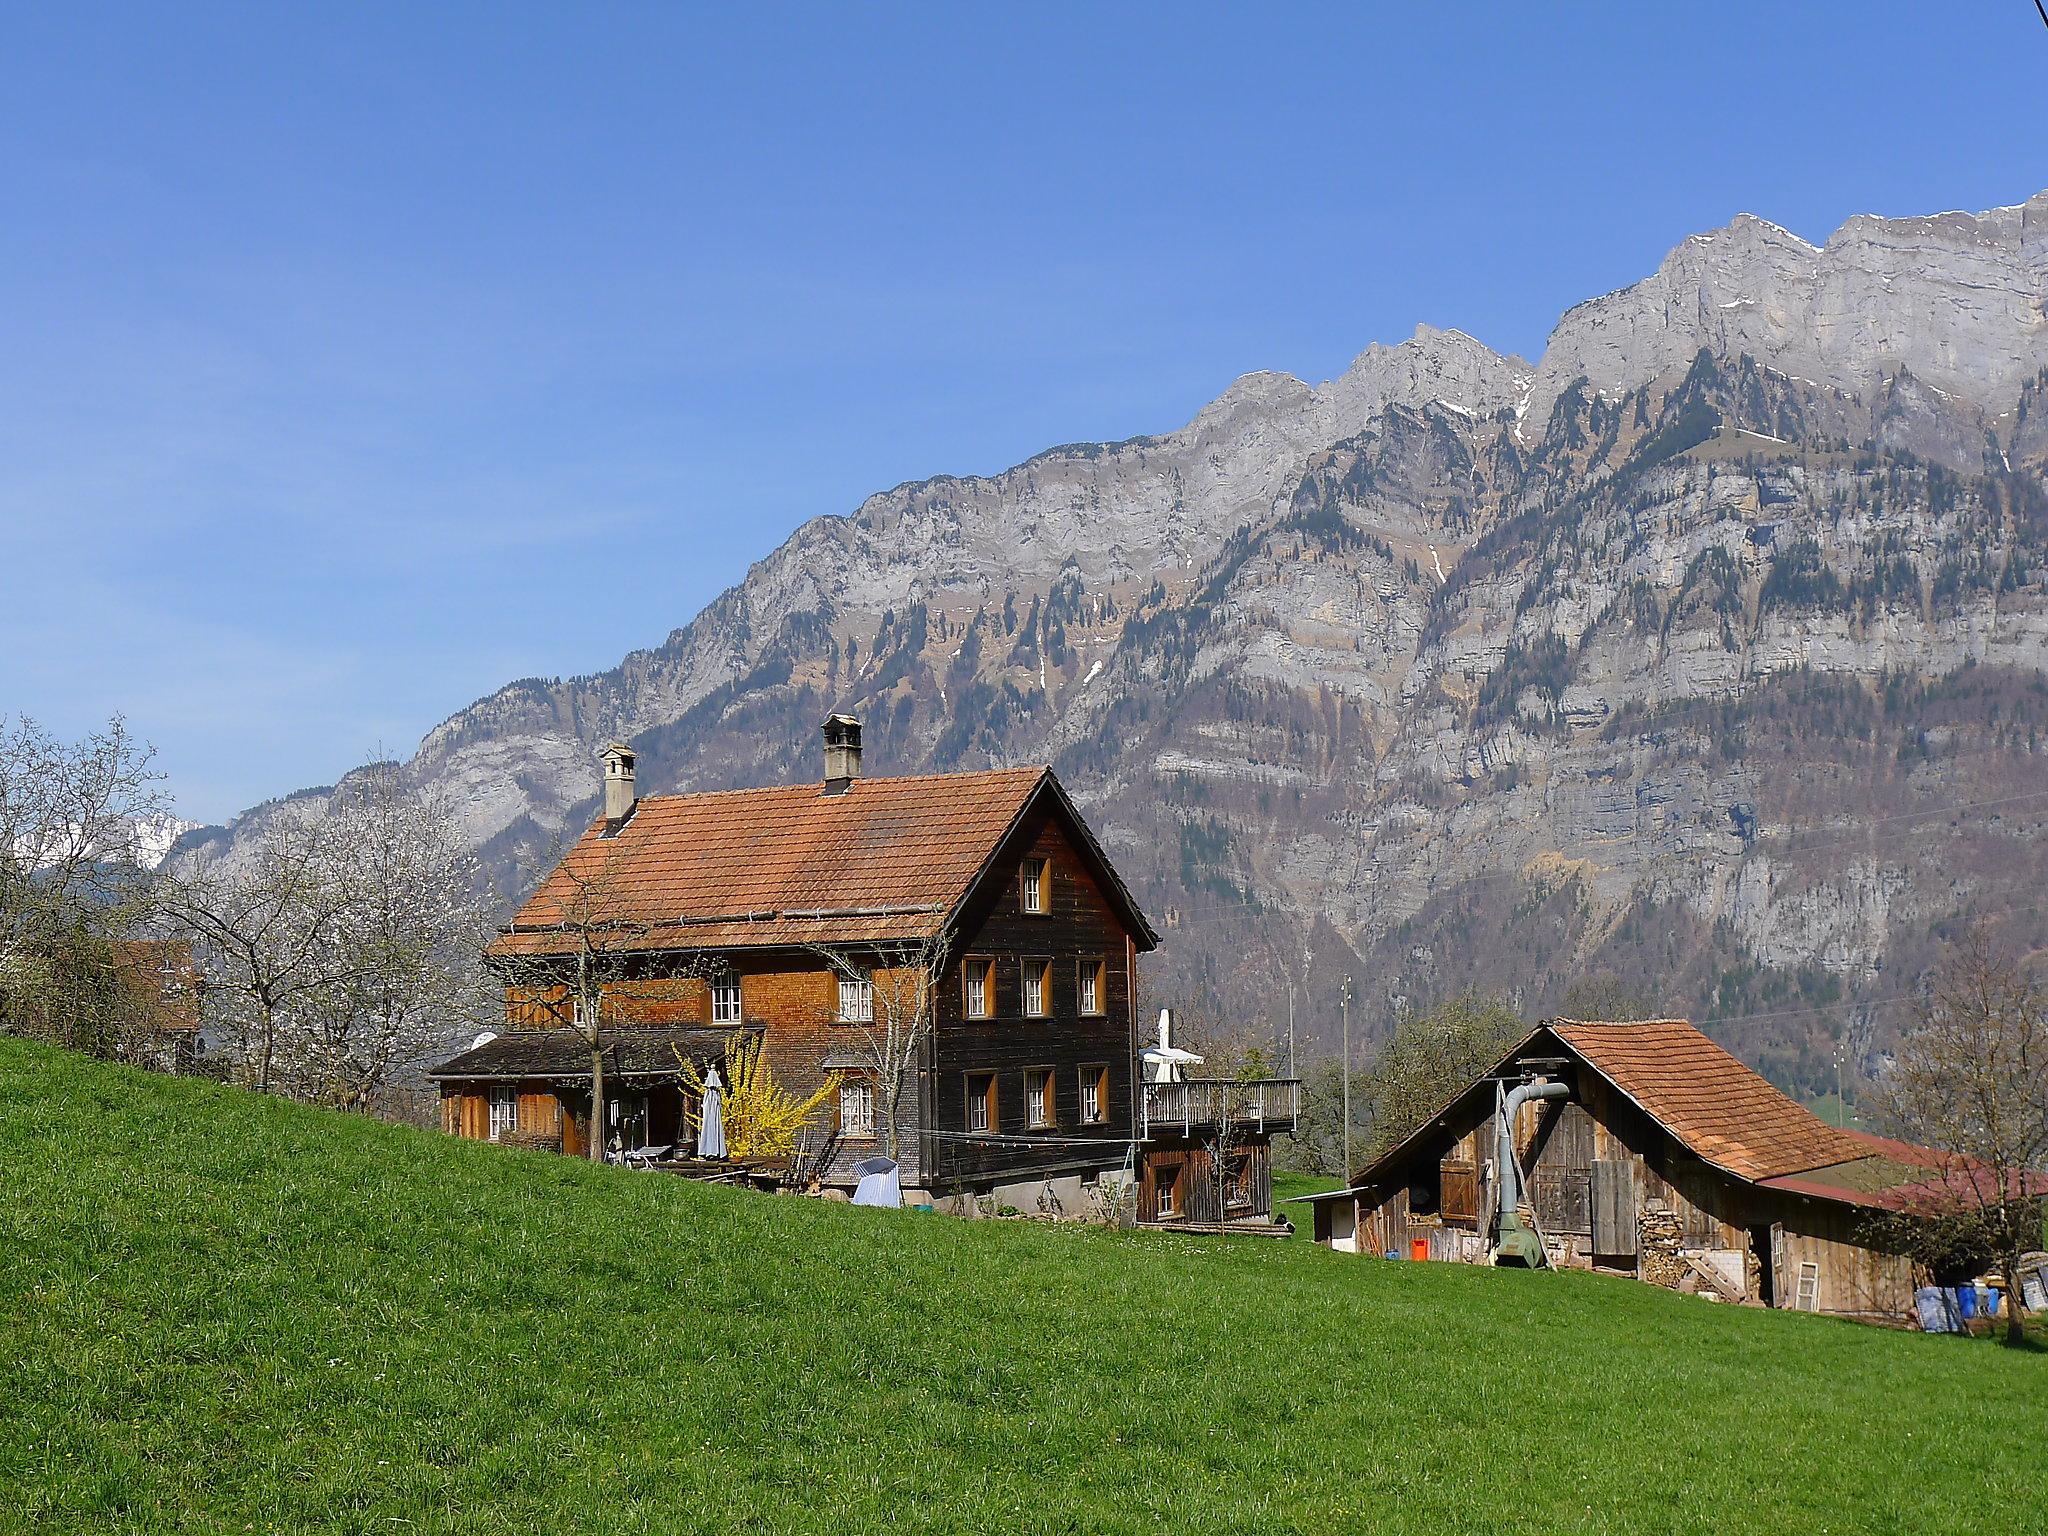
{"points": [[354, 362]]}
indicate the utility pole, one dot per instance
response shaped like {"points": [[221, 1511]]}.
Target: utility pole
{"points": [[1345, 1004]]}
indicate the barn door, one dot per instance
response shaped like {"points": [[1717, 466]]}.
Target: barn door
{"points": [[1560, 1172], [1614, 1207]]}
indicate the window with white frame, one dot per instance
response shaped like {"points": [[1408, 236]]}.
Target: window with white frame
{"points": [[857, 1109], [1094, 1093], [856, 999], [1035, 879], [1037, 988], [504, 1113], [725, 998], [1038, 1097], [979, 998], [1092, 974], [580, 1011], [981, 1101]]}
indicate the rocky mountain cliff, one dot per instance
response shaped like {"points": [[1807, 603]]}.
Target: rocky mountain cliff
{"points": [[1709, 653]]}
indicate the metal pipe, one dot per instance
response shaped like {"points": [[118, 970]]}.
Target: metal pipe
{"points": [[1506, 1171]]}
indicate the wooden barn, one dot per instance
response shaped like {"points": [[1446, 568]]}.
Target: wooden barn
{"points": [[1642, 1149], [793, 915]]}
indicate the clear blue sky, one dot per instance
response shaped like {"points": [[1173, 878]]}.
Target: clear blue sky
{"points": [[355, 361]]}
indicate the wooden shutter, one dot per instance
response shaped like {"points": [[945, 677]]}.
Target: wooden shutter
{"points": [[1460, 1191], [1614, 1207]]}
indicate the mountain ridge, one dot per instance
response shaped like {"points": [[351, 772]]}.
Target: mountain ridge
{"points": [[1419, 595]]}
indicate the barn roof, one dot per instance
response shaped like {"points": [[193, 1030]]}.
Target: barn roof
{"points": [[886, 859], [1722, 1111], [1718, 1108]]}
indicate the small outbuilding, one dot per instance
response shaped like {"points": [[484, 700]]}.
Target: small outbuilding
{"points": [[1642, 1148]]}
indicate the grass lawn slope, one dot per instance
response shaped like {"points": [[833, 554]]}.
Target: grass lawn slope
{"points": [[219, 1312]]}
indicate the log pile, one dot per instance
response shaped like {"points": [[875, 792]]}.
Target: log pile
{"points": [[1658, 1259]]}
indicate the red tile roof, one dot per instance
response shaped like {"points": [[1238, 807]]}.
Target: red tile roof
{"points": [[888, 859], [1719, 1109], [1713, 1104]]}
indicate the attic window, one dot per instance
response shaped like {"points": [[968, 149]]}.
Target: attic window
{"points": [[1036, 881]]}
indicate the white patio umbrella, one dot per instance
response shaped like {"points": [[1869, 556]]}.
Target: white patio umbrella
{"points": [[711, 1120]]}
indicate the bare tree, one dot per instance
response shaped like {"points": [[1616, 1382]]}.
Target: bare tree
{"points": [[265, 929], [1971, 1081], [341, 945], [74, 820], [895, 984], [399, 968]]}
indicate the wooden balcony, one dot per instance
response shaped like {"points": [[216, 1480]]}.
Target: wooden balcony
{"points": [[1199, 1105]]}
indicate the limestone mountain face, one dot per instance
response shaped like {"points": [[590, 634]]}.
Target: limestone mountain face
{"points": [[1956, 299], [1709, 655]]}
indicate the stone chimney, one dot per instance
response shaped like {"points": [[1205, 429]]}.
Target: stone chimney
{"points": [[619, 795], [842, 753]]}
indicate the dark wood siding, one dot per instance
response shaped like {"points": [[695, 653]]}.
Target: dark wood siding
{"points": [[1078, 929], [1190, 1170]]}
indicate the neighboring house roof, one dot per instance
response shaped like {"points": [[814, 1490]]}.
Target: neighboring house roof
{"points": [[886, 859], [1720, 1110], [165, 977], [563, 1053]]}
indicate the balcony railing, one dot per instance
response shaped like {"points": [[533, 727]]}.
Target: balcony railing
{"points": [[1269, 1104]]}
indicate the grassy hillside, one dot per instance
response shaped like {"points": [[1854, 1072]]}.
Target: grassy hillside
{"points": [[223, 1313]]}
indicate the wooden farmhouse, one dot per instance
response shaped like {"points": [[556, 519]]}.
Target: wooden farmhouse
{"points": [[163, 987], [824, 921], [1642, 1149]]}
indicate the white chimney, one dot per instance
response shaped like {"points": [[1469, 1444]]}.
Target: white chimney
{"points": [[842, 753], [619, 795]]}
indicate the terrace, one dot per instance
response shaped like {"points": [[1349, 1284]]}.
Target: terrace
{"points": [[1202, 1103]]}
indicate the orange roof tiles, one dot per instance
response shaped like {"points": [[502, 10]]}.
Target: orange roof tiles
{"points": [[887, 859], [1711, 1102]]}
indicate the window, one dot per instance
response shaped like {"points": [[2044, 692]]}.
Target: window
{"points": [[504, 1113], [1094, 1094], [978, 976], [1038, 1101], [1238, 1188], [1807, 1297], [981, 1101], [580, 1012], [725, 999], [1094, 976], [1037, 988], [1166, 1180], [1036, 880], [856, 999], [857, 1109]]}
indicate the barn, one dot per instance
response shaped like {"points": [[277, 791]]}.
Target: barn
{"points": [[1642, 1148]]}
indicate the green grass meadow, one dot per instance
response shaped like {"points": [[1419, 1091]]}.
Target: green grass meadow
{"points": [[225, 1313]]}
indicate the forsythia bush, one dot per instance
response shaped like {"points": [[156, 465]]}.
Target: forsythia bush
{"points": [[762, 1118]]}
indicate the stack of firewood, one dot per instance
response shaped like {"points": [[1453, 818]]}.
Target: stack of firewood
{"points": [[1657, 1246]]}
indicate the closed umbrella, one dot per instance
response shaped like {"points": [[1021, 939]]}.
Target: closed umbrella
{"points": [[711, 1121]]}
